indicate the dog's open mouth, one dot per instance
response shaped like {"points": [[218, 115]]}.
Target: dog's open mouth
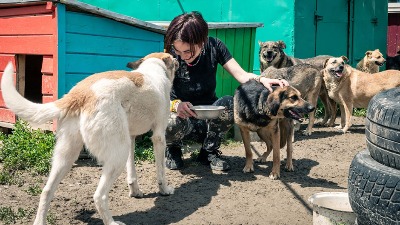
{"points": [[337, 72], [269, 57], [379, 63], [294, 114]]}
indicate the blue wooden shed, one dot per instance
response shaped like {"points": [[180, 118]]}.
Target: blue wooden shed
{"points": [[55, 44]]}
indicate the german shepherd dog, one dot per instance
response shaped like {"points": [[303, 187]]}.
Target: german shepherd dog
{"points": [[271, 115], [271, 54], [305, 78]]}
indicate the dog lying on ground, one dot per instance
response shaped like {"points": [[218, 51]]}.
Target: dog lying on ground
{"points": [[393, 62], [353, 88], [371, 62], [271, 54], [305, 78], [269, 114], [104, 112]]}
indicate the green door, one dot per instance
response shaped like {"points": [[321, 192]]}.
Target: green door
{"points": [[331, 19], [370, 27]]}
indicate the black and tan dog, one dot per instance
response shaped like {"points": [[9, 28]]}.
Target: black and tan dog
{"points": [[269, 114], [305, 78], [271, 54]]}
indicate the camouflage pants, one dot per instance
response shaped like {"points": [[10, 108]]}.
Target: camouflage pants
{"points": [[209, 133]]}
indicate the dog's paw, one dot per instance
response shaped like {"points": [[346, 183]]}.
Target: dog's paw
{"points": [[261, 160], [339, 127], [248, 169], [136, 194], [307, 133], [289, 167], [166, 190], [274, 176]]}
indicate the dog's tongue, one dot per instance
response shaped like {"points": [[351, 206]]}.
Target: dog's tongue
{"points": [[338, 74], [269, 59]]}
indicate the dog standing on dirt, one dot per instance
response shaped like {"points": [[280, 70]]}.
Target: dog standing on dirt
{"points": [[104, 112], [371, 62], [305, 78], [271, 115], [271, 54], [353, 88]]}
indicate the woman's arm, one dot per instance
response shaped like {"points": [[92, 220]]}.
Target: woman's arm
{"points": [[242, 76]]}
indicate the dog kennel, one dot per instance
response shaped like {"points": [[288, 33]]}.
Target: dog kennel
{"points": [[55, 44]]}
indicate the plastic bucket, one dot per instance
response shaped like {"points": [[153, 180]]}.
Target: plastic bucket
{"points": [[332, 208]]}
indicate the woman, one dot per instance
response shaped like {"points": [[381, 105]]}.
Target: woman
{"points": [[194, 84]]}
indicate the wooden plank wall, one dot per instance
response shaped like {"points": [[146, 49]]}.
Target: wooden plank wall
{"points": [[109, 45], [393, 37], [28, 30]]}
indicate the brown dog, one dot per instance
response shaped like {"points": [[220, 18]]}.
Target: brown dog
{"points": [[269, 114], [271, 54], [371, 62], [353, 88]]}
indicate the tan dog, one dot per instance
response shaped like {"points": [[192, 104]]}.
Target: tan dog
{"points": [[104, 112], [271, 116], [371, 62], [353, 88]]}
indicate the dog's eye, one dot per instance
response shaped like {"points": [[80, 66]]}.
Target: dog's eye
{"points": [[379, 57], [294, 98]]}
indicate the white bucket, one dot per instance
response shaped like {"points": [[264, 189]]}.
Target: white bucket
{"points": [[332, 208]]}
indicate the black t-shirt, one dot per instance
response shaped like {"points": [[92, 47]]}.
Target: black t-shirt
{"points": [[197, 83]]}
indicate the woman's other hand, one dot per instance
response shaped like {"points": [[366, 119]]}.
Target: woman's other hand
{"points": [[268, 82], [183, 110]]}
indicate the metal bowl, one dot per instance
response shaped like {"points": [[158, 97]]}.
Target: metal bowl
{"points": [[207, 111]]}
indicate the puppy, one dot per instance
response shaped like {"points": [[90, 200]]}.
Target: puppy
{"points": [[104, 112], [271, 54], [371, 62], [305, 78], [269, 114], [350, 87]]}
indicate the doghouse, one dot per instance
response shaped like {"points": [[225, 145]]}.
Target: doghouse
{"points": [[55, 44]]}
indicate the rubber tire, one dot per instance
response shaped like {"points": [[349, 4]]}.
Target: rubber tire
{"points": [[384, 108], [374, 191], [383, 150], [383, 128]]}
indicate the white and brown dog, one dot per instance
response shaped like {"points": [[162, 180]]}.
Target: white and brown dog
{"points": [[371, 62], [104, 112]]}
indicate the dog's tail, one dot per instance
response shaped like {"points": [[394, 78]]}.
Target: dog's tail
{"points": [[27, 110]]}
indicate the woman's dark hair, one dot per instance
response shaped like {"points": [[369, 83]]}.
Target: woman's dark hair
{"points": [[188, 27]]}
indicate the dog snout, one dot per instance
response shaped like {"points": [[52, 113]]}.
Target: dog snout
{"points": [[310, 108]]}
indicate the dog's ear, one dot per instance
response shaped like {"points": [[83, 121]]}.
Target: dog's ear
{"points": [[268, 103], [345, 59], [368, 53], [260, 43], [326, 62], [281, 44], [134, 65]]}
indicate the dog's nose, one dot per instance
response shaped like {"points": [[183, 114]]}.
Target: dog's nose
{"points": [[310, 108]]}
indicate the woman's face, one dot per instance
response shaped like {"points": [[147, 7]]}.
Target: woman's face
{"points": [[183, 50]]}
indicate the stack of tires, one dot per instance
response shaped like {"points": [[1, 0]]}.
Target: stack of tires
{"points": [[374, 176]]}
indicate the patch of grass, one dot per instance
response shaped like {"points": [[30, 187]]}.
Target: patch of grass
{"points": [[144, 148], [34, 190], [359, 112], [10, 178], [26, 149], [10, 216]]}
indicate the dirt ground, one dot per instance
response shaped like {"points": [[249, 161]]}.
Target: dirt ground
{"points": [[201, 196]]}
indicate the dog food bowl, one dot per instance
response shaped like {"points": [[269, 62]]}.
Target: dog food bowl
{"points": [[205, 112], [331, 208]]}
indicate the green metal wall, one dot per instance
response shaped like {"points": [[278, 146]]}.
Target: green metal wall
{"points": [[277, 16], [340, 27]]}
